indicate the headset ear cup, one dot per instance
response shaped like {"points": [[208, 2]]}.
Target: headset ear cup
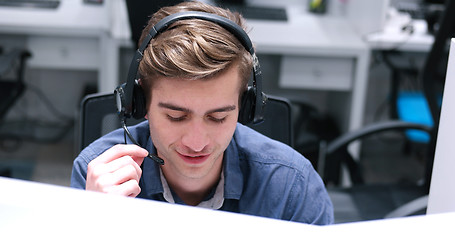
{"points": [[246, 112], [139, 108]]}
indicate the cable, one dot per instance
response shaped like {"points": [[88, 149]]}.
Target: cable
{"points": [[127, 133]]}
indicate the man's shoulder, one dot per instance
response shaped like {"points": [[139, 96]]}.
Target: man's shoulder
{"points": [[281, 179], [256, 147]]}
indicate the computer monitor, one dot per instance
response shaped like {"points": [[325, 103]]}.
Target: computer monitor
{"points": [[442, 188], [230, 2], [434, 1], [254, 11]]}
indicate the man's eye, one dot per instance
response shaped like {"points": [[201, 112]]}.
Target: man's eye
{"points": [[217, 120], [176, 118]]}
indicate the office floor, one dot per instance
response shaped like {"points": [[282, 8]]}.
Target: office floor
{"points": [[41, 162]]}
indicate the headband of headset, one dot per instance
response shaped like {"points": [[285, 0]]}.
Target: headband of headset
{"points": [[125, 94]]}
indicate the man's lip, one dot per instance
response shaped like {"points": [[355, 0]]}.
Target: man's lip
{"points": [[194, 158]]}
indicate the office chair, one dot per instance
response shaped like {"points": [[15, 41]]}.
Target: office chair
{"points": [[99, 116], [12, 86], [381, 201]]}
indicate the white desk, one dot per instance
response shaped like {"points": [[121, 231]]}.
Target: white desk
{"points": [[75, 36], [319, 52], [29, 210], [393, 36]]}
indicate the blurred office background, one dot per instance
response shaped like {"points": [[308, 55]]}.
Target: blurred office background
{"points": [[39, 132]]}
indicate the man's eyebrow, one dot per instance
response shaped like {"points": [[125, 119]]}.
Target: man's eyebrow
{"points": [[173, 107], [222, 109], [182, 109]]}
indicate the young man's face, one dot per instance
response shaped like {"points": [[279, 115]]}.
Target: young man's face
{"points": [[192, 122]]}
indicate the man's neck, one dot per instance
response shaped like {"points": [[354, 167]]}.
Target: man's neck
{"points": [[193, 191]]}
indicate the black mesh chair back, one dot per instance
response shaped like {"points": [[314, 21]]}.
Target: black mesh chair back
{"points": [[12, 86]]}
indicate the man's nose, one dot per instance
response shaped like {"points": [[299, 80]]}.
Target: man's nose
{"points": [[196, 136]]}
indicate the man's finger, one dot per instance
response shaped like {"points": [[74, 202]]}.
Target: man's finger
{"points": [[120, 150], [122, 162], [129, 188], [126, 173]]}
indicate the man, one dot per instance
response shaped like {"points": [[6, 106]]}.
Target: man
{"points": [[193, 76]]}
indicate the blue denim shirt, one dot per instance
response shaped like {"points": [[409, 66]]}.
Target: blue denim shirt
{"points": [[263, 177]]}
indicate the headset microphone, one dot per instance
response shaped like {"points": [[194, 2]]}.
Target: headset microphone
{"points": [[127, 133]]}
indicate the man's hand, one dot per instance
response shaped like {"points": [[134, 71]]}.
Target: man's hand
{"points": [[117, 170]]}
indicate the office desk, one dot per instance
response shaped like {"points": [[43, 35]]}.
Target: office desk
{"points": [[401, 33], [30, 210], [321, 53], [74, 36], [402, 46]]}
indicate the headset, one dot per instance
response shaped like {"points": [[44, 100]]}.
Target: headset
{"points": [[130, 98]]}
